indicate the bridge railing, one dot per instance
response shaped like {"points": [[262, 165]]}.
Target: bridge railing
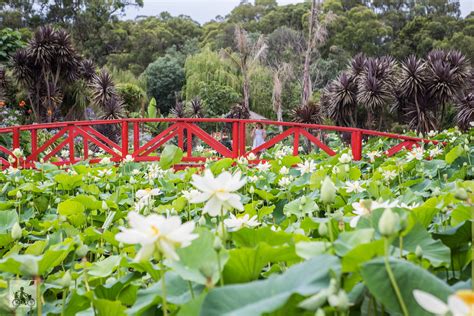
{"points": [[49, 141]]}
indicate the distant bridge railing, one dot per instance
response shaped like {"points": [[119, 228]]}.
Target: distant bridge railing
{"points": [[184, 131]]}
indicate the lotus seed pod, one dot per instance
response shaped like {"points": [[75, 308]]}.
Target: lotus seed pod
{"points": [[389, 222], [419, 252], [322, 230], [82, 251], [328, 191], [16, 231]]}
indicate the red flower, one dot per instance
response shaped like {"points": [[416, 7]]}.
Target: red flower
{"points": [[22, 104], [2, 104]]}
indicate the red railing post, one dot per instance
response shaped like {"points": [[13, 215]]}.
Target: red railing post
{"points": [[71, 143], [16, 137], [189, 146], [34, 144], [356, 145], [181, 137], [86, 147], [296, 141], [124, 139], [235, 139], [136, 137], [242, 138]]}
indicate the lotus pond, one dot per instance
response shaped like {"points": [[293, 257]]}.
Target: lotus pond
{"points": [[307, 235]]}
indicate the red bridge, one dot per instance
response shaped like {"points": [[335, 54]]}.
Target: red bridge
{"points": [[46, 141]]}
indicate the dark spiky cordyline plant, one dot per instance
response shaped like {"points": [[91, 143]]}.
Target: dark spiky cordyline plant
{"points": [[108, 103], [419, 90], [45, 68], [309, 114]]}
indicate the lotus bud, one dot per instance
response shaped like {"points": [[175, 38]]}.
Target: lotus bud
{"points": [[82, 251], [57, 200], [18, 194], [221, 231], [217, 244], [466, 148], [303, 200], [320, 312], [328, 191], [16, 231], [339, 300], [389, 222], [132, 180], [121, 222], [65, 281], [202, 221], [29, 266], [419, 252], [104, 205], [323, 229], [346, 168], [252, 190], [107, 187], [110, 281], [460, 194]]}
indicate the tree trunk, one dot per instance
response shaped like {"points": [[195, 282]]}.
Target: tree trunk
{"points": [[307, 88], [246, 90]]}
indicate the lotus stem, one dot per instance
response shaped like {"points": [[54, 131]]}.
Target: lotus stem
{"points": [[163, 288], [393, 280]]}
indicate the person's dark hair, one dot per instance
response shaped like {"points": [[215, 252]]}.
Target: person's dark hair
{"points": [[260, 125]]}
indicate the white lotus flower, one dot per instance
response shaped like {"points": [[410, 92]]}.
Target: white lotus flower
{"points": [[235, 223], [199, 148], [253, 179], [365, 208], [263, 167], [243, 161], [105, 160], [456, 306], [145, 196], [436, 151], [64, 153], [189, 195], [416, 153], [354, 186], [218, 192], [17, 152], [252, 156], [285, 181], [432, 133], [389, 174], [345, 158], [128, 158], [157, 233], [105, 172], [372, 155], [284, 170], [309, 166]]}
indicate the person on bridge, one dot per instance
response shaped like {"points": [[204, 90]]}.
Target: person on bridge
{"points": [[258, 136]]}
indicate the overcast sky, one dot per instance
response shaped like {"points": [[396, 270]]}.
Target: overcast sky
{"points": [[205, 10]]}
